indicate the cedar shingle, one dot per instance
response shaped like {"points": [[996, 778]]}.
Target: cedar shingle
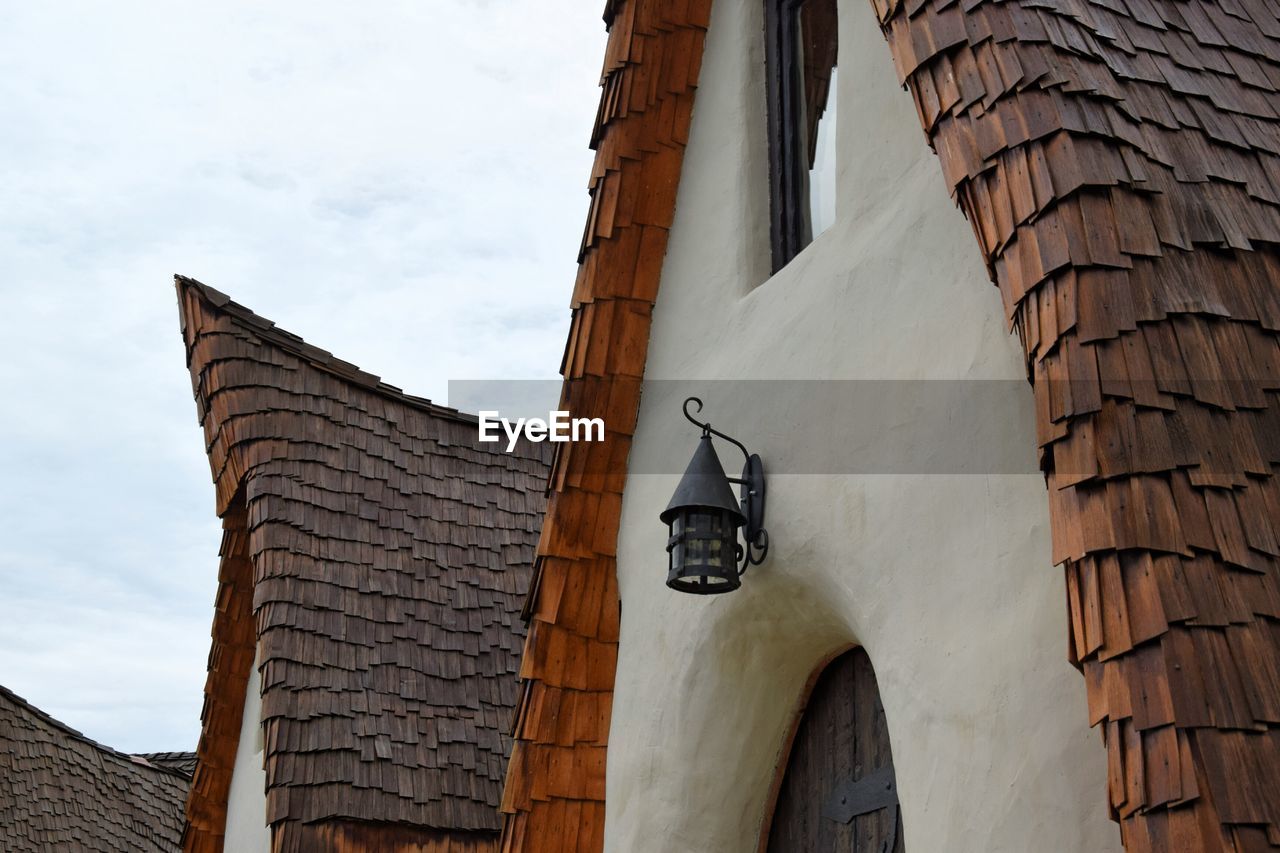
{"points": [[377, 555], [59, 790], [554, 797], [1149, 135]]}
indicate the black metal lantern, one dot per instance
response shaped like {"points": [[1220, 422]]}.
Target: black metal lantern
{"points": [[704, 554]]}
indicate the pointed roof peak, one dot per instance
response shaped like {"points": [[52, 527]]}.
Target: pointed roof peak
{"points": [[265, 329]]}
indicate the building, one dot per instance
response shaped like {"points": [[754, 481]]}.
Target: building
{"points": [[59, 790], [367, 637], [1115, 168]]}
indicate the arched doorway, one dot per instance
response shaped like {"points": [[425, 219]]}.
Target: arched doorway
{"points": [[838, 794]]}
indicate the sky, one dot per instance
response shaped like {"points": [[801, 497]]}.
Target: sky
{"points": [[401, 183]]}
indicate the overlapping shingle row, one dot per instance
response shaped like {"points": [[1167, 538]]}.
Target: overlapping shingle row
{"points": [[183, 762], [61, 791], [1120, 163], [554, 796], [376, 559]]}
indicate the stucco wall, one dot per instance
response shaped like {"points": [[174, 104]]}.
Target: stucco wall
{"points": [[247, 829], [944, 578]]}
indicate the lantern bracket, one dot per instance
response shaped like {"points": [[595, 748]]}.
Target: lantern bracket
{"points": [[751, 491]]}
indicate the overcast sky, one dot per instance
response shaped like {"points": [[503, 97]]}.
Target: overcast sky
{"points": [[401, 183]]}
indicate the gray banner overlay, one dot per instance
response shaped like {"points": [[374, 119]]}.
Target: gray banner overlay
{"points": [[941, 427]]}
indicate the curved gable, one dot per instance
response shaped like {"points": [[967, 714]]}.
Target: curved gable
{"points": [[1117, 161], [378, 562], [554, 797]]}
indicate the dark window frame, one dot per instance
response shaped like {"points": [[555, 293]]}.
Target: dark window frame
{"points": [[786, 182], [789, 225]]}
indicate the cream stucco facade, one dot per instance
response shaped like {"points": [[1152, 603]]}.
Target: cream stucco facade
{"points": [[945, 579], [247, 830]]}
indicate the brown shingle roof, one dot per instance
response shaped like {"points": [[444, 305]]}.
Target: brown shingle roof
{"points": [[554, 797], [1120, 163], [59, 790], [379, 554], [183, 762]]}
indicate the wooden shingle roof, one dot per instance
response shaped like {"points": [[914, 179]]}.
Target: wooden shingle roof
{"points": [[554, 798], [59, 790], [1119, 161], [183, 762], [375, 559]]}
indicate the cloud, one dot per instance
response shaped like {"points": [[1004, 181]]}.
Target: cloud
{"points": [[400, 183]]}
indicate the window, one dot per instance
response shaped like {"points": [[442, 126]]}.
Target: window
{"points": [[801, 57]]}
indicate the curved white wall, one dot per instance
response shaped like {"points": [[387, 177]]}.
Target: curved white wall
{"points": [[945, 579], [247, 830]]}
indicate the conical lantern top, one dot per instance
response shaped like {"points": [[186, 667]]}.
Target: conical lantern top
{"points": [[704, 486]]}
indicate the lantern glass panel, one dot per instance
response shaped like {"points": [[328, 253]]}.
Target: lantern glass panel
{"points": [[704, 550], [704, 542]]}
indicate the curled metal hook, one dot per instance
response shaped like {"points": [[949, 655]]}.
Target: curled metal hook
{"points": [[706, 427], [691, 418]]}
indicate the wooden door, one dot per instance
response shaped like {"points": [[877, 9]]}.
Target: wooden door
{"points": [[838, 794]]}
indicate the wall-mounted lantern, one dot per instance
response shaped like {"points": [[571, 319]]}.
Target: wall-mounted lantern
{"points": [[705, 556]]}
